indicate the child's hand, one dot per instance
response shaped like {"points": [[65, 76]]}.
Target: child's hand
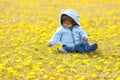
{"points": [[49, 44], [85, 38]]}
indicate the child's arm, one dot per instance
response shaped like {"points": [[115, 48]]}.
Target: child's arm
{"points": [[55, 38], [83, 34]]}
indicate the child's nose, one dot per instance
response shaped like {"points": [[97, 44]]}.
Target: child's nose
{"points": [[65, 24]]}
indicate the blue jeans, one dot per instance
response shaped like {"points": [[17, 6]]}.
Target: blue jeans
{"points": [[77, 48], [82, 47], [69, 48]]}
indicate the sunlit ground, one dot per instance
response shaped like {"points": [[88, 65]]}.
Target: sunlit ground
{"points": [[26, 26]]}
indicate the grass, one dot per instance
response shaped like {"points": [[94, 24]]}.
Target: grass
{"points": [[26, 26]]}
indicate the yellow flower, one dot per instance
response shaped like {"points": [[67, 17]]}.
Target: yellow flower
{"points": [[26, 63], [98, 68], [94, 75], [51, 62], [106, 62], [52, 78], [79, 79], [45, 76], [85, 61], [59, 66], [1, 66], [11, 70], [35, 68], [61, 79], [72, 69], [18, 67], [31, 77], [117, 78], [61, 70], [107, 71], [19, 75]]}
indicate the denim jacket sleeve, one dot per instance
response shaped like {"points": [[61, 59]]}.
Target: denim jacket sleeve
{"points": [[56, 37], [82, 33]]}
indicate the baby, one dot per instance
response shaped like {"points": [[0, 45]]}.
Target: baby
{"points": [[70, 34]]}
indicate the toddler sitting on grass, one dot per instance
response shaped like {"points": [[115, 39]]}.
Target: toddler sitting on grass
{"points": [[70, 34]]}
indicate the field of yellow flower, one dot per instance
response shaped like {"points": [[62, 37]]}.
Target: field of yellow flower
{"points": [[26, 26]]}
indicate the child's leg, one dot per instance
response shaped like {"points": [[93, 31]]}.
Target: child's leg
{"points": [[69, 48], [84, 45], [78, 48], [92, 47], [87, 47]]}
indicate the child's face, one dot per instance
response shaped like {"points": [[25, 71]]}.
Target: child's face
{"points": [[67, 24]]}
